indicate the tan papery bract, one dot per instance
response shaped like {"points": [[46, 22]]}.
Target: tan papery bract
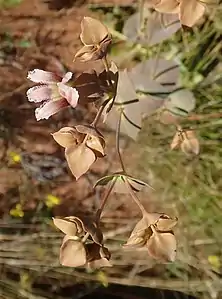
{"points": [[96, 39], [72, 252], [162, 246]]}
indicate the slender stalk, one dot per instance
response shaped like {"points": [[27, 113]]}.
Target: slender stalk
{"points": [[84, 239], [105, 63], [98, 115], [135, 198], [117, 141], [104, 199]]}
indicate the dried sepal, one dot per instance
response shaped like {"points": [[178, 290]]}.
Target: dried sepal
{"points": [[85, 53], [165, 223], [91, 227], [92, 53], [83, 145], [154, 231], [140, 234], [68, 225], [83, 242], [76, 226], [190, 144], [176, 142], [189, 11], [79, 159], [67, 136], [162, 246], [95, 139], [72, 252], [96, 39], [93, 31], [187, 141], [97, 256]]}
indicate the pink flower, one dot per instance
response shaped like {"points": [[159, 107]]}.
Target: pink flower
{"points": [[53, 93]]}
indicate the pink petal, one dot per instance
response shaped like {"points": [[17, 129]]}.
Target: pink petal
{"points": [[50, 108], [69, 93], [40, 76], [67, 77], [39, 93]]}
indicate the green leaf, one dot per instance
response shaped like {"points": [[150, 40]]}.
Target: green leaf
{"points": [[127, 103], [156, 28], [136, 184], [104, 180], [180, 102], [155, 76]]}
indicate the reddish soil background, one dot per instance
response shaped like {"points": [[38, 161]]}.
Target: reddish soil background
{"points": [[52, 30]]}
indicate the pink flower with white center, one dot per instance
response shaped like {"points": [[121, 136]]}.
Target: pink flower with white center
{"points": [[53, 93]]}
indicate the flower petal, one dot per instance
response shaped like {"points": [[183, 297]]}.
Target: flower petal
{"points": [[69, 93], [40, 76], [39, 93], [67, 77], [50, 108], [191, 11]]}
